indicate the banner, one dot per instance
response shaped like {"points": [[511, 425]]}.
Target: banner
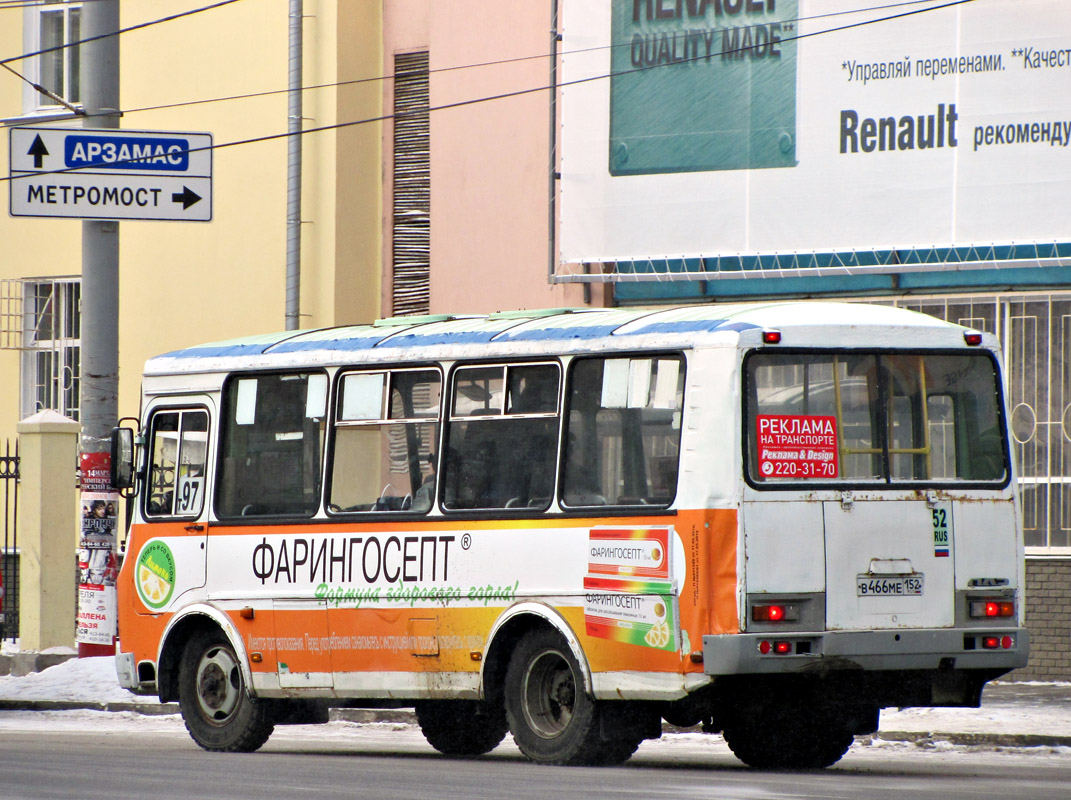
{"points": [[712, 128]]}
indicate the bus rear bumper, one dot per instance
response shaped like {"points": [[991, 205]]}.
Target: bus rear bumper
{"points": [[770, 653]]}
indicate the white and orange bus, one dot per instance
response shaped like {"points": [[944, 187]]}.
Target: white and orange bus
{"points": [[772, 520]]}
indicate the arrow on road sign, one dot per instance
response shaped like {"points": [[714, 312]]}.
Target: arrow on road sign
{"points": [[38, 151], [187, 197]]}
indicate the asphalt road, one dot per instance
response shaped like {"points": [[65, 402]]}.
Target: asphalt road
{"points": [[103, 759]]}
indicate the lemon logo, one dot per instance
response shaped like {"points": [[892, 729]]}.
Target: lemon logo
{"points": [[658, 635], [154, 574]]}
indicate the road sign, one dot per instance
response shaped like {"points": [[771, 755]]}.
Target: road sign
{"points": [[110, 174]]}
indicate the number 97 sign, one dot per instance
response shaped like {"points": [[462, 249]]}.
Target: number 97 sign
{"points": [[189, 495]]}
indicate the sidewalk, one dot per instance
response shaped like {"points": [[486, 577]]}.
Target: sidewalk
{"points": [[1012, 714]]}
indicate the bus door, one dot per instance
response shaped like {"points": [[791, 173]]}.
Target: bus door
{"points": [[271, 460], [888, 563], [171, 556]]}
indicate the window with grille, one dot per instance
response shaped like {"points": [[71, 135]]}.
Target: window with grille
{"points": [[42, 319]]}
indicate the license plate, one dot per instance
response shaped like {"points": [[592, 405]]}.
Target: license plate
{"points": [[888, 586]]}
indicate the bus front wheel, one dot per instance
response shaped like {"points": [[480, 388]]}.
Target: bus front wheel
{"points": [[216, 705], [552, 719]]}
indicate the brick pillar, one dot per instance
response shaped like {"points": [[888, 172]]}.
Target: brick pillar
{"points": [[47, 530]]}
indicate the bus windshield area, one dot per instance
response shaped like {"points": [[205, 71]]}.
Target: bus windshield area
{"points": [[874, 417]]}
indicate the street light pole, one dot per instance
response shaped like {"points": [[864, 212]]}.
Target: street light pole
{"points": [[99, 406]]}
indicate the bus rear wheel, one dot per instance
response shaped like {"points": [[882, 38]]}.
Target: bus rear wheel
{"points": [[216, 705], [462, 727], [552, 719], [793, 737]]}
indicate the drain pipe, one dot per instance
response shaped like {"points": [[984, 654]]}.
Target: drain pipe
{"points": [[293, 170]]}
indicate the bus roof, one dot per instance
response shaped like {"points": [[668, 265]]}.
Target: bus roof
{"points": [[550, 331]]}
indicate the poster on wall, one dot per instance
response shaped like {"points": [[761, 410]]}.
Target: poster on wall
{"points": [[703, 128]]}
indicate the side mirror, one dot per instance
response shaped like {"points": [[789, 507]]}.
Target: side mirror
{"points": [[122, 466]]}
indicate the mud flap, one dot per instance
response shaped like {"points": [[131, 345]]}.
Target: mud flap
{"points": [[629, 720]]}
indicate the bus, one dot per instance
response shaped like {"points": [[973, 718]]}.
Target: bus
{"points": [[769, 520]]}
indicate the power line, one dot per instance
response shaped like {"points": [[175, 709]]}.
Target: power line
{"points": [[56, 4], [508, 95], [139, 26], [477, 65]]}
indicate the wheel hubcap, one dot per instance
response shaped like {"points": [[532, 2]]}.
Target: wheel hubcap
{"points": [[549, 694], [219, 684]]}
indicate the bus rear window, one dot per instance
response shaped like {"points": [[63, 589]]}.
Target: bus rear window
{"points": [[870, 417]]}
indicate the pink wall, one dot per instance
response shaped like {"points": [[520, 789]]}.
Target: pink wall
{"points": [[489, 205]]}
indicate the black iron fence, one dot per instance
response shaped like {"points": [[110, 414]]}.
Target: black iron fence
{"points": [[9, 554]]}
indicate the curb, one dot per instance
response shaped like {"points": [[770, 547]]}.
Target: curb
{"points": [[928, 739], [19, 665], [145, 709], [408, 717]]}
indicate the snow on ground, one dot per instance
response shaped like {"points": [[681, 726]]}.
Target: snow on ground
{"points": [[94, 680]]}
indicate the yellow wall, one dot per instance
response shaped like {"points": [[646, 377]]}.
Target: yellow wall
{"points": [[184, 282]]}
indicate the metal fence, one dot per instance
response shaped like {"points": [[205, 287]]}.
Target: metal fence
{"points": [[1035, 333], [9, 562]]}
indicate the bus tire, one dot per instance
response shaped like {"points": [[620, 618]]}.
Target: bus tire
{"points": [[462, 727], [216, 705], [788, 738], [552, 719]]}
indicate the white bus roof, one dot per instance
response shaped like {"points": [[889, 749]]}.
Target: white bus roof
{"points": [[517, 333]]}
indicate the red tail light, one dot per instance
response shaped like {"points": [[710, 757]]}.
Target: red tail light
{"points": [[992, 608], [775, 612]]}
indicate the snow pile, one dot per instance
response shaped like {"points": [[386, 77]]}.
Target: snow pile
{"points": [[80, 679]]}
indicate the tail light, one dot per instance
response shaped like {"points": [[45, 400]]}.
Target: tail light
{"points": [[982, 609], [775, 612]]}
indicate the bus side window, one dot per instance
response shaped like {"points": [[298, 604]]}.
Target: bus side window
{"points": [[386, 434], [502, 438], [177, 453], [623, 431], [272, 441]]}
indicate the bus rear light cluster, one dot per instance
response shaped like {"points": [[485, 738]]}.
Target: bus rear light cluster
{"points": [[770, 336], [775, 612], [783, 648], [981, 609], [777, 648], [989, 641], [973, 338]]}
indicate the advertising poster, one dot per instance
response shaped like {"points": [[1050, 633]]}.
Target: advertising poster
{"points": [[98, 565], [629, 594], [796, 446], [725, 128]]}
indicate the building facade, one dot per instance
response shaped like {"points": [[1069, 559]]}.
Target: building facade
{"points": [[475, 156]]}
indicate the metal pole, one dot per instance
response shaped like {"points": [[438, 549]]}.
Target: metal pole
{"points": [[293, 170], [100, 290], [552, 212]]}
